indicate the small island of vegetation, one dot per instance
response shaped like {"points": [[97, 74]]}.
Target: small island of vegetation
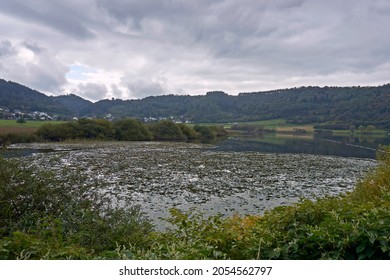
{"points": [[119, 130]]}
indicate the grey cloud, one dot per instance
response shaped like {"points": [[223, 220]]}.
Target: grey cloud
{"points": [[92, 91], [117, 92], [48, 80], [44, 72], [140, 88], [6, 48], [46, 75], [54, 14], [33, 46], [138, 10], [196, 44], [292, 4]]}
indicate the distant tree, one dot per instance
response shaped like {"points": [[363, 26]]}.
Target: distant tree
{"points": [[188, 131], [362, 129], [131, 130], [370, 128], [21, 120], [96, 129], [206, 134], [167, 130], [52, 132], [220, 130], [81, 129]]}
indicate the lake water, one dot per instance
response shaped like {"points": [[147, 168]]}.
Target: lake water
{"points": [[332, 146], [212, 179]]}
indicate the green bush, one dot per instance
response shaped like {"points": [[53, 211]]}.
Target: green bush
{"points": [[44, 217], [131, 130], [128, 130], [96, 129], [188, 131], [167, 130], [206, 134]]}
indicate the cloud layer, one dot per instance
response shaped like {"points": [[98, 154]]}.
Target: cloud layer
{"points": [[132, 49]]}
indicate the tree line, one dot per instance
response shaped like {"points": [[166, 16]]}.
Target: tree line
{"points": [[315, 105], [305, 105], [129, 130]]}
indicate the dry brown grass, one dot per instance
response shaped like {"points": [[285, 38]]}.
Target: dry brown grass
{"points": [[17, 130], [291, 129]]}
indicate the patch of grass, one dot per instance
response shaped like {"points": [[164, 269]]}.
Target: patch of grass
{"points": [[265, 123], [290, 128], [278, 125], [17, 130], [27, 124], [268, 123], [13, 132], [375, 133]]}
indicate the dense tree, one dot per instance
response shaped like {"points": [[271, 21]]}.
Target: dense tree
{"points": [[188, 131], [73, 103], [81, 129], [127, 130], [167, 130], [131, 130], [207, 135], [96, 129]]}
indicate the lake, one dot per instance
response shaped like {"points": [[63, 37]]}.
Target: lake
{"points": [[342, 146], [211, 178]]}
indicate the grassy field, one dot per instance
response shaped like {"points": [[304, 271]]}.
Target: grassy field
{"points": [[265, 123], [17, 130], [279, 125], [282, 127], [377, 133], [268, 123], [27, 124], [29, 127]]}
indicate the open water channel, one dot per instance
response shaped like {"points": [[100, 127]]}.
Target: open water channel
{"points": [[213, 179]]}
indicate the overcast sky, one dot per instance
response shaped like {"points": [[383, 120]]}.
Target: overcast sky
{"points": [[131, 48]]}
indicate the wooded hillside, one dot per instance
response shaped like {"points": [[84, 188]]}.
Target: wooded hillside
{"points": [[335, 105]]}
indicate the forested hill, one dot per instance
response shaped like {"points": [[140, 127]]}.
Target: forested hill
{"points": [[14, 96], [343, 105], [72, 102], [340, 105]]}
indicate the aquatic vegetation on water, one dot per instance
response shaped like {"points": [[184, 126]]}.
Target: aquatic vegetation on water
{"points": [[159, 175], [66, 214]]}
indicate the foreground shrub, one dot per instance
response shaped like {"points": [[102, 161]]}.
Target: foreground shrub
{"points": [[44, 217]]}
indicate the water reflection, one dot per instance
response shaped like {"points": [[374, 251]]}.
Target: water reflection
{"points": [[334, 146], [16, 153]]}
